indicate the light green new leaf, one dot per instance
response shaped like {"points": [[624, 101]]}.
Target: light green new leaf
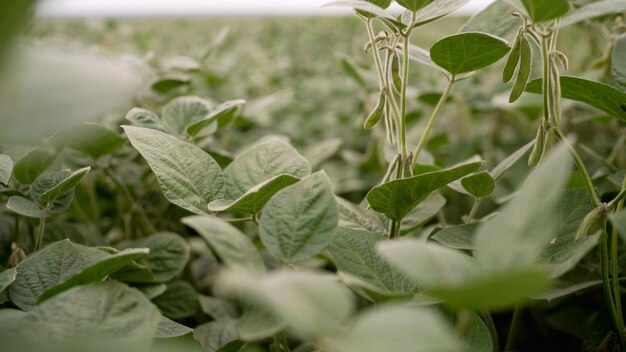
{"points": [[96, 271], [65, 185], [354, 254], [183, 111], [169, 253], [168, 329], [480, 184], [187, 175], [604, 97], [414, 5], [618, 61], [397, 328], [496, 19], [231, 246], [94, 140], [593, 10], [179, 301], [261, 163], [299, 221], [47, 182], [32, 164], [219, 116], [144, 118], [470, 51], [397, 198], [6, 278], [6, 169], [542, 10], [25, 207]]}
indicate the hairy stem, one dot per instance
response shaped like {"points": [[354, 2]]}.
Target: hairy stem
{"points": [[40, 232], [515, 319]]}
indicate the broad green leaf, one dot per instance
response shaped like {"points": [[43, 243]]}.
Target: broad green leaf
{"points": [[254, 199], [48, 182], [94, 140], [423, 212], [227, 111], [231, 246], [169, 253], [355, 217], [498, 171], [422, 56], [25, 207], [561, 258], [106, 312], [151, 290], [593, 10], [64, 186], [261, 163], [466, 52], [6, 278], [95, 271], [144, 118], [218, 308], [183, 111], [479, 185], [6, 169], [397, 328], [495, 19], [477, 335], [215, 335], [618, 61], [179, 301], [168, 328], [169, 82], [188, 176], [618, 220], [49, 267], [257, 323], [135, 273], [397, 198], [299, 221], [604, 97], [32, 164], [457, 236], [354, 254], [414, 5], [542, 10]]}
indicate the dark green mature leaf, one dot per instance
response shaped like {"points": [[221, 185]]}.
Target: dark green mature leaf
{"points": [[95, 271], [94, 140], [64, 186], [414, 5], [188, 176], [25, 207], [599, 95], [107, 312], [457, 236], [299, 221], [230, 245], [6, 278], [144, 118], [564, 257], [168, 329], [354, 254], [6, 169], [179, 301], [169, 253], [170, 82], [496, 19], [593, 10], [542, 10], [466, 52], [215, 335], [397, 328], [218, 308], [618, 61], [480, 184], [184, 111], [32, 164], [47, 182], [397, 198]]}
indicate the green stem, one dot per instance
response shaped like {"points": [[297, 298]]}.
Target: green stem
{"points": [[142, 218], [472, 213], [608, 294], [433, 118], [488, 320], [40, 232], [614, 279], [615, 201], [510, 340], [403, 94], [545, 57]]}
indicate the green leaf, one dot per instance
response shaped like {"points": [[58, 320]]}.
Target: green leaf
{"points": [[351, 69], [436, 9], [466, 52], [94, 140], [565, 291], [95, 271], [618, 219], [563, 257], [144, 118], [414, 5], [477, 335], [106, 312], [354, 254], [299, 221], [55, 264], [25, 207], [457, 236], [495, 19], [593, 10], [184, 111], [356, 217], [422, 56], [618, 61], [231, 246], [498, 171], [397, 328], [168, 329], [169, 254], [599, 95], [215, 335], [170, 82], [6, 278], [319, 152], [261, 163], [64, 186], [480, 184], [423, 212], [397, 198], [179, 301], [49, 181], [33, 164], [6, 168], [542, 10], [188, 176], [217, 308]]}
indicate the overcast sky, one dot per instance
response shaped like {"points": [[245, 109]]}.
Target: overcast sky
{"points": [[132, 8]]}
